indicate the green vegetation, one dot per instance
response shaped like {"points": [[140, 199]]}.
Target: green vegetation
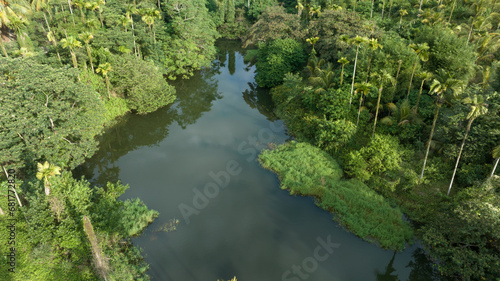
{"points": [[306, 170]]}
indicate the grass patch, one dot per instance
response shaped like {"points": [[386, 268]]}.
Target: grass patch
{"points": [[308, 171]]}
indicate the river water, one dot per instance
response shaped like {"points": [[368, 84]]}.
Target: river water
{"points": [[195, 162]]}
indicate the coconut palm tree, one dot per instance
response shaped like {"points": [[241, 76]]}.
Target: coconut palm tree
{"points": [[477, 108], [363, 89], [46, 171], [342, 61], [445, 87], [314, 65], [71, 43], [358, 41], [380, 79], [104, 68], [373, 45], [86, 37], [422, 51], [424, 76], [496, 154]]}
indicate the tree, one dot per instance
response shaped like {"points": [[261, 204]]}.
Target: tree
{"points": [[148, 17], [71, 43], [478, 108], [363, 89], [57, 117], [373, 45], [51, 37], [86, 37], [422, 51], [80, 4], [342, 61], [380, 80], [402, 13], [104, 68], [496, 154], [445, 87], [324, 78], [358, 41], [424, 76], [46, 171]]}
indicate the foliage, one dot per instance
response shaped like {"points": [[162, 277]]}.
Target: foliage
{"points": [[277, 58], [142, 85], [46, 113], [308, 171]]}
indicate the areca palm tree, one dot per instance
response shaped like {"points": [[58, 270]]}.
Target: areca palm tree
{"points": [[71, 43], [80, 4], [86, 37], [46, 171], [445, 87], [496, 154], [422, 51], [104, 68], [363, 89], [358, 41], [18, 24], [342, 61], [130, 10], [148, 17], [478, 108], [373, 45], [380, 79], [402, 13], [424, 76]]}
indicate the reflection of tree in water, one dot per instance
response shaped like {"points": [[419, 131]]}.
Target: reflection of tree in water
{"points": [[260, 99], [422, 268], [389, 274]]}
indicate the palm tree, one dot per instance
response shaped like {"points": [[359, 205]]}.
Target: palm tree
{"points": [[380, 80], [364, 89], [312, 41], [402, 13], [71, 43], [383, 8], [51, 37], [18, 24], [399, 68], [104, 69], [46, 171], [358, 41], [129, 12], [445, 87], [314, 65], [478, 108], [80, 4], [148, 17], [424, 76], [86, 37], [371, 13], [452, 8], [496, 154], [422, 51], [324, 79], [373, 45], [342, 61], [125, 21]]}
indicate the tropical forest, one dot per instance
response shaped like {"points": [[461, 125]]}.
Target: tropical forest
{"points": [[249, 140]]}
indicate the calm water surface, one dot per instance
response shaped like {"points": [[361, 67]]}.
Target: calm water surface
{"points": [[250, 228]]}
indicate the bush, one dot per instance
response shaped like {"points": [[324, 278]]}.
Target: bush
{"points": [[142, 84], [277, 58]]}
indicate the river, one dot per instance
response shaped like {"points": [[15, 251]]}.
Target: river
{"points": [[195, 162]]}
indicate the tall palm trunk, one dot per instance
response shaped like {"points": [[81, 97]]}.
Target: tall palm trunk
{"points": [[71, 10], [368, 69], [107, 86], [411, 79], [133, 34], [383, 8], [430, 139], [494, 167], [341, 74], [451, 13], [73, 56], [420, 7], [460, 154], [376, 113], [371, 13], [359, 110], [419, 94], [397, 73], [90, 56], [83, 15], [353, 75]]}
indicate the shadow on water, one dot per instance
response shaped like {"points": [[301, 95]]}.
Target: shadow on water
{"points": [[252, 229]]}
